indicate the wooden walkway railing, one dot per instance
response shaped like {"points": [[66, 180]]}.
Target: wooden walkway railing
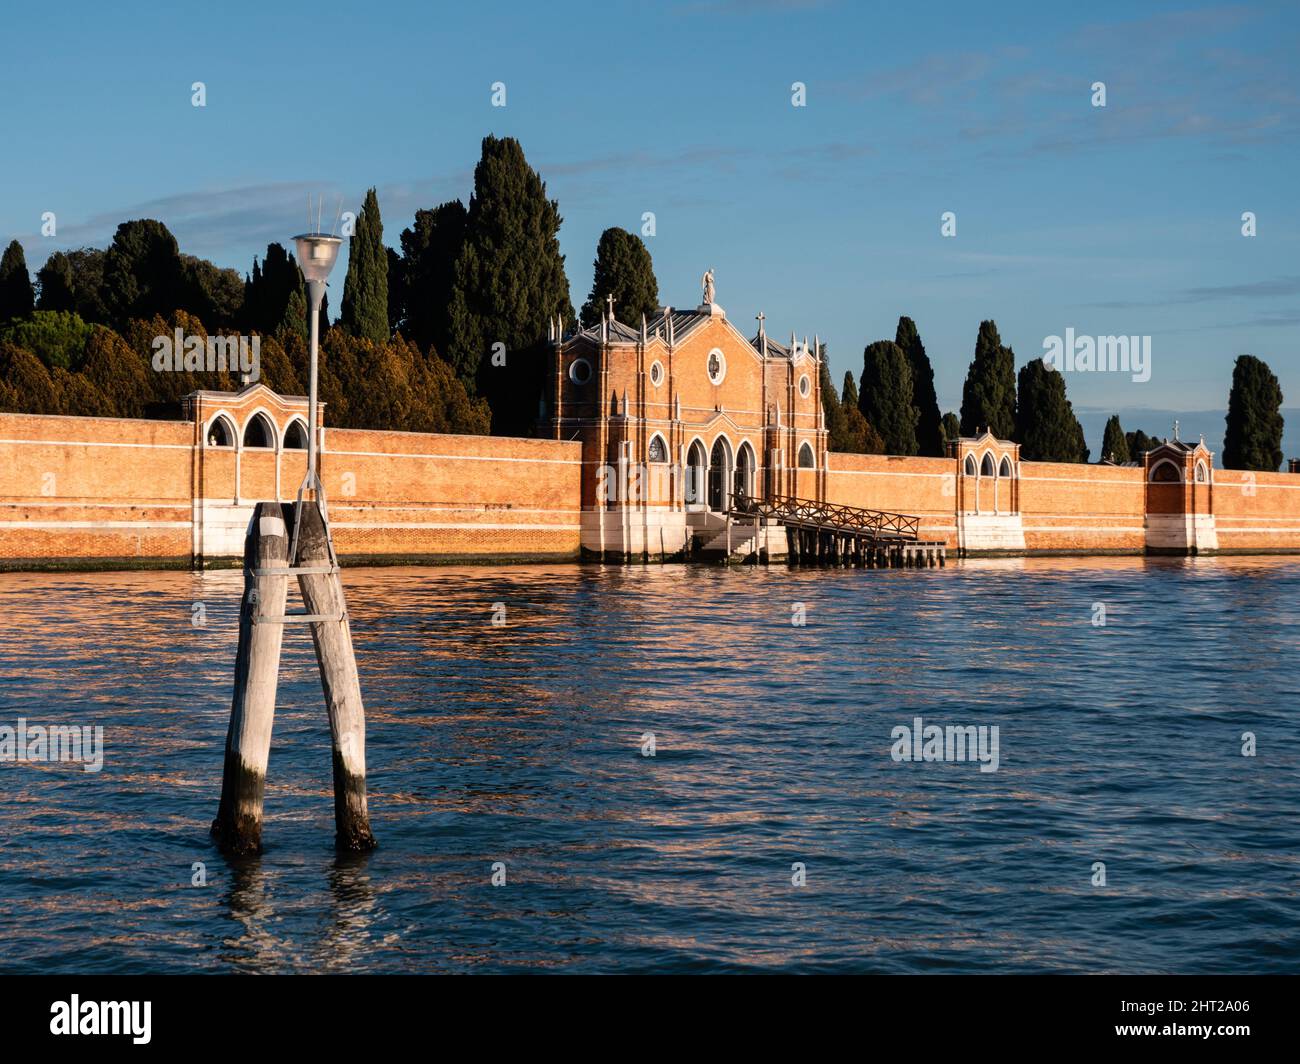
{"points": [[828, 517], [823, 533]]}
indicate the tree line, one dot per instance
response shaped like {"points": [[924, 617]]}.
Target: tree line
{"points": [[893, 409], [448, 334]]}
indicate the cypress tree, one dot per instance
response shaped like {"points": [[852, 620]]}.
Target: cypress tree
{"points": [[509, 282], [1114, 444], [1253, 438], [859, 436], [430, 249], [833, 412], [988, 398], [850, 392], [55, 282], [886, 396], [1046, 427], [929, 431], [16, 299], [1138, 444], [365, 288], [951, 426], [624, 270]]}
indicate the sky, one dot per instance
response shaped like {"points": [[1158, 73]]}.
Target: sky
{"points": [[1117, 220]]}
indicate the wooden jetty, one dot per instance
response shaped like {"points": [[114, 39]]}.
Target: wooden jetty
{"points": [[820, 533]]}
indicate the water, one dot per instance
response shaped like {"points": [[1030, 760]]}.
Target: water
{"points": [[522, 744]]}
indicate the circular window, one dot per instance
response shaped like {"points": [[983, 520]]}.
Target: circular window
{"points": [[805, 386], [656, 373], [716, 365], [580, 371]]}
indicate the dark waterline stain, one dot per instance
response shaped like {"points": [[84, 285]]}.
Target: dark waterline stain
{"points": [[522, 744]]}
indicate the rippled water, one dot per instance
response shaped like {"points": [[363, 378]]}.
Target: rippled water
{"points": [[522, 744]]}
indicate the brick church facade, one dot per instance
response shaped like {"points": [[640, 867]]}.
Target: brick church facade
{"points": [[677, 419]]}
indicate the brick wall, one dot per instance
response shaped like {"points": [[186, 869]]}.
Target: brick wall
{"points": [[107, 491], [133, 492]]}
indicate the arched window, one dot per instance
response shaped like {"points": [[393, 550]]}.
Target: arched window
{"points": [[657, 451], [221, 433], [720, 475], [986, 466], [806, 458], [295, 436], [695, 475], [258, 432], [744, 471], [1202, 474], [1165, 472], [970, 468], [1004, 470]]}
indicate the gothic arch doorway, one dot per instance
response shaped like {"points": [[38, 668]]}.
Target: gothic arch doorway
{"points": [[719, 474], [695, 476], [744, 471]]}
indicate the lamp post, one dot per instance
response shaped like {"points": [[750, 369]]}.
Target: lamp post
{"points": [[317, 253]]}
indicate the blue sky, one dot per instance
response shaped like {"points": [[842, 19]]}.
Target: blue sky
{"points": [[1115, 220]]}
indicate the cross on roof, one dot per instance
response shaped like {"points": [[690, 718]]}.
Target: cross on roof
{"points": [[610, 300]]}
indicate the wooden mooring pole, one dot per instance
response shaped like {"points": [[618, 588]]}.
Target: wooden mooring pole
{"points": [[322, 594], [238, 826]]}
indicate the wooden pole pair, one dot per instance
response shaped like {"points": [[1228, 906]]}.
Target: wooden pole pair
{"points": [[262, 617]]}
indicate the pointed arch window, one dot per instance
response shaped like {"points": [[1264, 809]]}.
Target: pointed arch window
{"points": [[295, 436], [221, 433], [807, 460], [657, 450], [259, 433]]}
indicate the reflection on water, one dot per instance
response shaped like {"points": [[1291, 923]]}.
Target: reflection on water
{"points": [[521, 744]]}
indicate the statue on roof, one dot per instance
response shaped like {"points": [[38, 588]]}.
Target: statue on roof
{"points": [[707, 282]]}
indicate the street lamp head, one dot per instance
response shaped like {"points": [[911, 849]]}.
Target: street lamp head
{"points": [[317, 253]]}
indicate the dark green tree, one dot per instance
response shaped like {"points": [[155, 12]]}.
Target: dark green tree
{"points": [[365, 289], [1139, 443], [850, 393], [622, 269], [73, 281], [1046, 427], [1114, 444], [16, 297], [430, 250], [951, 426], [988, 398], [885, 397], [396, 291], [143, 273], [509, 282], [929, 431], [1253, 438], [857, 436], [215, 295], [832, 411], [54, 284], [269, 292]]}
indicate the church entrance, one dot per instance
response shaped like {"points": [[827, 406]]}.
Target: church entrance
{"points": [[719, 475], [744, 477]]}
